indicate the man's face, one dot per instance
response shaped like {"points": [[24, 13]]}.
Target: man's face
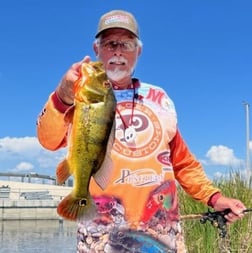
{"points": [[118, 51]]}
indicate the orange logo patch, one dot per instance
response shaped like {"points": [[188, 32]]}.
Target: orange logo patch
{"points": [[147, 126]]}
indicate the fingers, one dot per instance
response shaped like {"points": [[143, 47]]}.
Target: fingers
{"points": [[238, 208], [232, 217], [65, 88], [240, 205], [76, 66], [236, 212], [86, 59]]}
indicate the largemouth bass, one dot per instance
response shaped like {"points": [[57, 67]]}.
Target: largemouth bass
{"points": [[91, 117]]}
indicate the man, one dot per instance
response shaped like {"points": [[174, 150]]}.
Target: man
{"points": [[138, 209]]}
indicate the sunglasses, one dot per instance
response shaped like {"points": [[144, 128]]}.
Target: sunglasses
{"points": [[125, 46]]}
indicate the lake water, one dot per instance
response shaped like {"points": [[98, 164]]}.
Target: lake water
{"points": [[37, 236]]}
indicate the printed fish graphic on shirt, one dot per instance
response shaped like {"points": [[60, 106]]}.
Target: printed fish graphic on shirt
{"points": [[162, 201], [135, 241], [91, 136]]}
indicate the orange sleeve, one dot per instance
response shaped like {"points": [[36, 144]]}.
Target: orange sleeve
{"points": [[189, 172], [51, 127]]}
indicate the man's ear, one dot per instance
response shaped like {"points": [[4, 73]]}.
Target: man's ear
{"points": [[139, 51], [95, 49]]}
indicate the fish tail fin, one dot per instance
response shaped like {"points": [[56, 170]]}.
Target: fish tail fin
{"points": [[62, 172], [75, 208]]}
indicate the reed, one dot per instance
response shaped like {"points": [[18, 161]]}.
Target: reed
{"points": [[204, 238]]}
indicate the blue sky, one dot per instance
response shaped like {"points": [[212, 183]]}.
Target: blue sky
{"points": [[200, 52]]}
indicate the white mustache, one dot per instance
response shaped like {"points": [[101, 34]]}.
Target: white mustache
{"points": [[118, 60]]}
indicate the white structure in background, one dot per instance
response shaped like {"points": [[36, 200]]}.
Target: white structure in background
{"points": [[248, 169]]}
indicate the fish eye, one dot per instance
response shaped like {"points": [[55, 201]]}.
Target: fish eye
{"points": [[120, 234], [107, 84], [83, 202], [161, 197]]}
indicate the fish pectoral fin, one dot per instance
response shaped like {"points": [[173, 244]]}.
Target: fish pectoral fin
{"points": [[62, 172], [102, 176]]}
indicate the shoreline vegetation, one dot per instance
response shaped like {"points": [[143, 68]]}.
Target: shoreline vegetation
{"points": [[199, 238], [203, 238]]}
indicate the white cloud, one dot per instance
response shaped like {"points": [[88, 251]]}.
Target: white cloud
{"points": [[23, 166], [222, 155], [24, 146], [218, 175], [26, 154], [50, 159]]}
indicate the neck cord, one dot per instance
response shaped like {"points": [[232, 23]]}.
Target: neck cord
{"points": [[132, 111]]}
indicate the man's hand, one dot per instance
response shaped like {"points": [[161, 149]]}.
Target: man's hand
{"points": [[65, 90], [235, 205]]}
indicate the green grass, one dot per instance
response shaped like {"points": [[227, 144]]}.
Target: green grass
{"points": [[204, 238]]}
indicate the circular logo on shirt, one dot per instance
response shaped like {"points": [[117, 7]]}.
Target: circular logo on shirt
{"points": [[147, 133]]}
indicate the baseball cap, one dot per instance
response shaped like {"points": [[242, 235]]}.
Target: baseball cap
{"points": [[118, 19]]}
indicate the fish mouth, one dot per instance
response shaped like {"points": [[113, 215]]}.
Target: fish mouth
{"points": [[97, 92]]}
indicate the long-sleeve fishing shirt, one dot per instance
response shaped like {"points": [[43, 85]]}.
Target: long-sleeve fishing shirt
{"points": [[139, 206]]}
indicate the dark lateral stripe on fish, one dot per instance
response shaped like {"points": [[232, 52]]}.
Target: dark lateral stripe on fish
{"points": [[100, 121], [96, 141], [93, 166]]}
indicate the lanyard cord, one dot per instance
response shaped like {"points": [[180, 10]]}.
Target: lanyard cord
{"points": [[132, 111]]}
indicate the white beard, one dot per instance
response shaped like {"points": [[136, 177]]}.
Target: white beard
{"points": [[117, 74]]}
